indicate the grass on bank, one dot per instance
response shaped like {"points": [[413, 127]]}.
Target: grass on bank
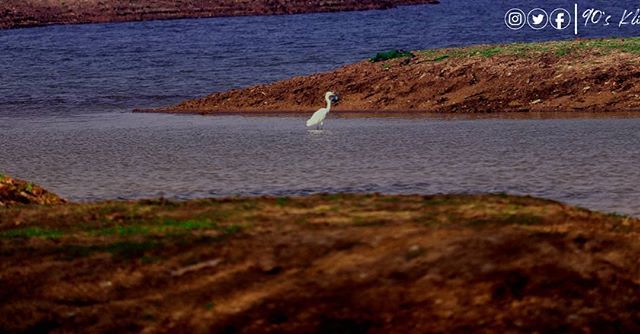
{"points": [[148, 231], [228, 217], [32, 232], [21, 186], [168, 227], [557, 48]]}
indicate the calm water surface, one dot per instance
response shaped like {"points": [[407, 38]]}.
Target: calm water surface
{"points": [[588, 162], [66, 93]]}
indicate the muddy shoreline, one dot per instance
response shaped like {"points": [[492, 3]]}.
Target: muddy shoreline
{"points": [[565, 76], [33, 13], [19, 192]]}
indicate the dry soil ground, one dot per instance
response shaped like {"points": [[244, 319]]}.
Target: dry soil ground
{"points": [[319, 264]]}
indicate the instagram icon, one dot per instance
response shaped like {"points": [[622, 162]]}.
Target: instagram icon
{"points": [[515, 19]]}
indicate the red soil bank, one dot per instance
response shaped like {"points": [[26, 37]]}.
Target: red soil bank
{"points": [[592, 75], [28, 13]]}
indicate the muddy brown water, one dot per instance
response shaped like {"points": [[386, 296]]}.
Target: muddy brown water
{"points": [[588, 161]]}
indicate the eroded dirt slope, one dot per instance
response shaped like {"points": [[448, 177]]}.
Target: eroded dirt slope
{"points": [[320, 264], [18, 192], [590, 75]]}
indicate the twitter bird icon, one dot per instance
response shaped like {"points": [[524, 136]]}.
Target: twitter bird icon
{"points": [[537, 19]]}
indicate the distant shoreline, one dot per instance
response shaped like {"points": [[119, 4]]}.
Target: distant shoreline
{"points": [[35, 13], [564, 76]]}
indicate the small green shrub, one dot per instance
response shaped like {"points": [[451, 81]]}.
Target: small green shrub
{"points": [[31, 232], [392, 54], [490, 52], [440, 58]]}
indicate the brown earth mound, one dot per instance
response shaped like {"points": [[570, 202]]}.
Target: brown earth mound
{"points": [[18, 192], [27, 13], [321, 264], [591, 75]]}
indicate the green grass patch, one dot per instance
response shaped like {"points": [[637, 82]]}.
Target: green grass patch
{"points": [[561, 52], [168, 226], [617, 215], [623, 44], [440, 58], [191, 224], [558, 48], [490, 52], [31, 232], [391, 54]]}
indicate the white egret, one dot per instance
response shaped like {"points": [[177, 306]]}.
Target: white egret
{"points": [[318, 117]]}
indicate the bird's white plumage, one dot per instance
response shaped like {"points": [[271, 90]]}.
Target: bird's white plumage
{"points": [[318, 117]]}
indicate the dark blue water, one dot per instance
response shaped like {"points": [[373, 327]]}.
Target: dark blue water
{"points": [[116, 67]]}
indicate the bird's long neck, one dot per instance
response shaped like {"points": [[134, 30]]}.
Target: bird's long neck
{"points": [[328, 99]]}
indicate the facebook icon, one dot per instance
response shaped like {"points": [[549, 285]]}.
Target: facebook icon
{"points": [[560, 18]]}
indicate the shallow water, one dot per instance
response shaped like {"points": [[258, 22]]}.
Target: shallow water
{"points": [[587, 162]]}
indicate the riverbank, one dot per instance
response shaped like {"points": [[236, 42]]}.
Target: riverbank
{"points": [[18, 192], [30, 13], [326, 264], [566, 76]]}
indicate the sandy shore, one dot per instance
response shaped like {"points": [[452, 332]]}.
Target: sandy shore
{"points": [[567, 76], [319, 264], [29, 13]]}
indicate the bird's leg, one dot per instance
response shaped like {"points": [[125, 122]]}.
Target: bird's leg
{"points": [[322, 125]]}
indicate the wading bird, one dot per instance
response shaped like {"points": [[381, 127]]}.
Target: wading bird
{"points": [[318, 117]]}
